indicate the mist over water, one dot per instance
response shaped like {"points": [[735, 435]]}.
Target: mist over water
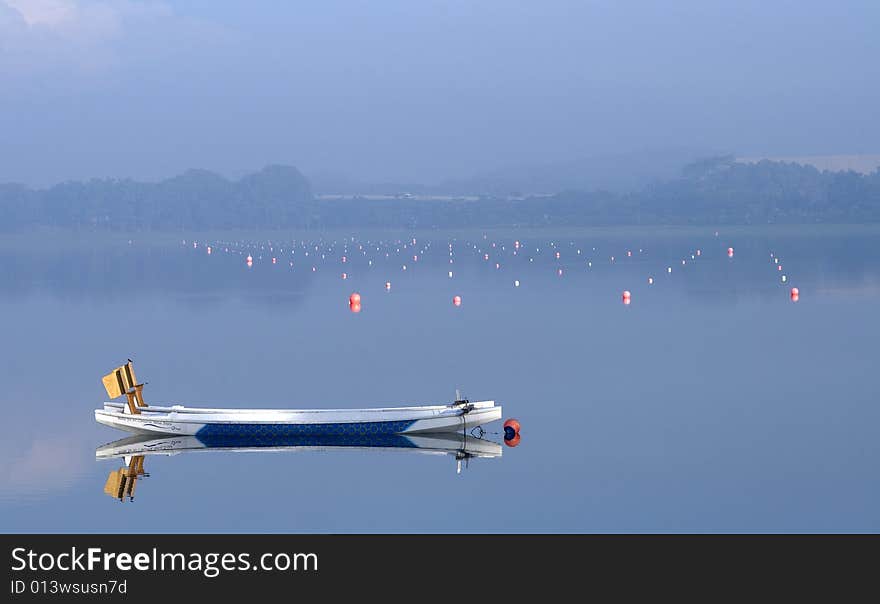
{"points": [[711, 402], [394, 90]]}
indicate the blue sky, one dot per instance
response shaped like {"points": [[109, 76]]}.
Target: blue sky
{"points": [[404, 90]]}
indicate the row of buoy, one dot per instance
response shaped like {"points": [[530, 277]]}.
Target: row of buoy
{"points": [[794, 293], [626, 297], [344, 258], [354, 300]]}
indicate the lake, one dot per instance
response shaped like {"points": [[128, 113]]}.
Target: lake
{"points": [[712, 401]]}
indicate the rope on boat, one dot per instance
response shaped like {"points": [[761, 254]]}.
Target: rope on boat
{"points": [[480, 432]]}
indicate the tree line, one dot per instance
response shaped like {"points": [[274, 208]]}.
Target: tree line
{"points": [[712, 191]]}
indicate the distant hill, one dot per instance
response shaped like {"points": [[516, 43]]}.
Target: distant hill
{"points": [[724, 190], [197, 199], [864, 163], [714, 190], [618, 173]]}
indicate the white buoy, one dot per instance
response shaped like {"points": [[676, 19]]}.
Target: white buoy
{"points": [[516, 283]]}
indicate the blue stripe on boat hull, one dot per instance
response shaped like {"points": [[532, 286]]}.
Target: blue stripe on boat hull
{"points": [[397, 441], [259, 431]]}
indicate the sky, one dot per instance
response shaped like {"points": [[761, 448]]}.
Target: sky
{"points": [[397, 90]]}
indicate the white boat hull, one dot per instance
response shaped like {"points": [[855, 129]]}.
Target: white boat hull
{"points": [[453, 443], [273, 423]]}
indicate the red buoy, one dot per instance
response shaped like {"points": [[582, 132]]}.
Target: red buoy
{"points": [[355, 298], [730, 252], [355, 307], [795, 294], [626, 294], [511, 432], [456, 300]]}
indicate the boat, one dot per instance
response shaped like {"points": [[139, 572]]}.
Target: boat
{"points": [[121, 482], [136, 416]]}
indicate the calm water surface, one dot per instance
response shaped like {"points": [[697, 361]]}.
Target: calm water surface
{"points": [[711, 402]]}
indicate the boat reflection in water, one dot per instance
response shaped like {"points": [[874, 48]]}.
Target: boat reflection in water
{"points": [[121, 482], [132, 450]]}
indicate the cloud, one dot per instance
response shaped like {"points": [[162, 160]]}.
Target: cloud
{"points": [[44, 12], [45, 466], [62, 34]]}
